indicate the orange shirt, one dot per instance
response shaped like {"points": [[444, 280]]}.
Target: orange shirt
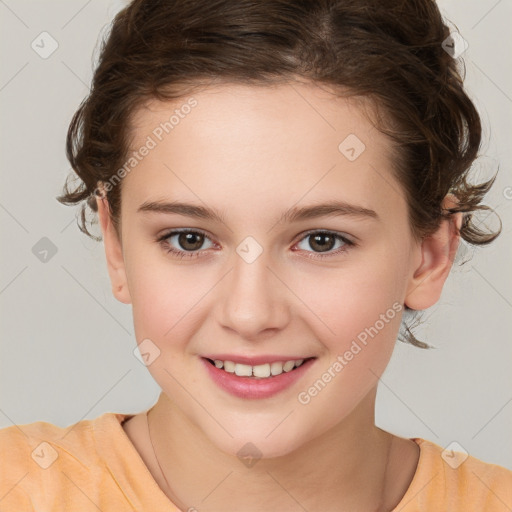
{"points": [[93, 466]]}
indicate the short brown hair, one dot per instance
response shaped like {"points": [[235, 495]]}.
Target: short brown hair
{"points": [[387, 50]]}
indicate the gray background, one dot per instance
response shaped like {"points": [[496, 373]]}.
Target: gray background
{"points": [[67, 344]]}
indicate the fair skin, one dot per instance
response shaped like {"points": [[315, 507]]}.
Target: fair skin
{"points": [[252, 153]]}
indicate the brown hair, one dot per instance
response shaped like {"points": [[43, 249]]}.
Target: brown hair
{"points": [[389, 51]]}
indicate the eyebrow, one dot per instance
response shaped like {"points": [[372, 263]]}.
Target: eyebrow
{"points": [[294, 214]]}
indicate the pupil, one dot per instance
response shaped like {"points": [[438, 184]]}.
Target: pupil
{"points": [[188, 238], [322, 246]]}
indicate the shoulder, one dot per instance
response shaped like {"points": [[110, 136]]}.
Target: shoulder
{"points": [[451, 479], [43, 443], [40, 457]]}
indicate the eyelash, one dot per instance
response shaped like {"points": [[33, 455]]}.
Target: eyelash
{"points": [[187, 254]]}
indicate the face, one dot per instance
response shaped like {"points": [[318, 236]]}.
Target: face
{"points": [[255, 282]]}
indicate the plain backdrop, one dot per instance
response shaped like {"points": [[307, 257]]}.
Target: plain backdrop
{"points": [[67, 344]]}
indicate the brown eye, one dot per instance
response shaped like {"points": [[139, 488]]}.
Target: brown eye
{"points": [[190, 241], [324, 242], [186, 243]]}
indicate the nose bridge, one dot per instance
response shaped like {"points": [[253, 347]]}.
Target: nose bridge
{"points": [[254, 299]]}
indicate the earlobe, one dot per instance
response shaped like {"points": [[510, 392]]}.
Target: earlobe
{"points": [[113, 253], [437, 255]]}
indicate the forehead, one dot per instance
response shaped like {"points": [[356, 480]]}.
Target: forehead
{"points": [[272, 141], [303, 108]]}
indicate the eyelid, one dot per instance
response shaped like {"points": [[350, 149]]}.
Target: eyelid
{"points": [[177, 231], [346, 239], [349, 239]]}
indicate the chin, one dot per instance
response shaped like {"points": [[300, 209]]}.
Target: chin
{"points": [[251, 447]]}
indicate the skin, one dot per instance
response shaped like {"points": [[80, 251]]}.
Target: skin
{"points": [[252, 153]]}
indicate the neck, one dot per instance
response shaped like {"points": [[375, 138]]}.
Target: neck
{"points": [[346, 466]]}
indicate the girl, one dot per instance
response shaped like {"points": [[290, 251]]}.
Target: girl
{"points": [[277, 183]]}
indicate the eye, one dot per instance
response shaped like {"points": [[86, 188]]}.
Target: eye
{"points": [[190, 240], [325, 241]]}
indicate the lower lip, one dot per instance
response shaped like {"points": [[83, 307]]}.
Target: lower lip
{"points": [[249, 387]]}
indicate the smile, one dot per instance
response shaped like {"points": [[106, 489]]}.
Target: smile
{"points": [[261, 371], [259, 381]]}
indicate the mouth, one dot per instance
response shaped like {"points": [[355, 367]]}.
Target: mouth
{"points": [[266, 371], [272, 376]]}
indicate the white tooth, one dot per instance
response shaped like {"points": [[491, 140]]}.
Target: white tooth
{"points": [[229, 366], [262, 370], [276, 368], [218, 363], [298, 362], [288, 366], [243, 370]]}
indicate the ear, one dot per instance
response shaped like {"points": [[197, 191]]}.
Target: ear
{"points": [[113, 252], [437, 253]]}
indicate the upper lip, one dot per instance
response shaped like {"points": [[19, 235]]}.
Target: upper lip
{"points": [[255, 360]]}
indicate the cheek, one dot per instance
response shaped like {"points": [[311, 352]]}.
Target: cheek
{"points": [[351, 298], [164, 297], [357, 313], [361, 316], [165, 306]]}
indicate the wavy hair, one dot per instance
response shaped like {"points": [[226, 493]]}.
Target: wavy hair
{"points": [[387, 50]]}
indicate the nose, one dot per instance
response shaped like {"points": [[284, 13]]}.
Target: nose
{"points": [[254, 299]]}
